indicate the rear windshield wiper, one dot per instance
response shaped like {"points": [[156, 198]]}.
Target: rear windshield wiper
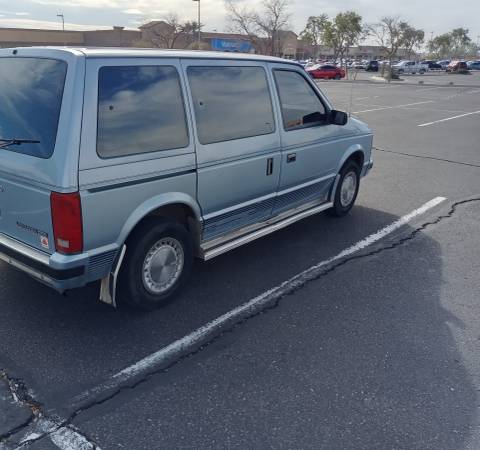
{"points": [[4, 143]]}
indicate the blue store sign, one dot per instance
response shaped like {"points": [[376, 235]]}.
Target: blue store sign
{"points": [[231, 45]]}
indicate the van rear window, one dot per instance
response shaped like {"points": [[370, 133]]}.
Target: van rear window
{"points": [[140, 110], [31, 91]]}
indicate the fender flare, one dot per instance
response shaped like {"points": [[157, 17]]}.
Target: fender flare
{"points": [[154, 203], [350, 151]]}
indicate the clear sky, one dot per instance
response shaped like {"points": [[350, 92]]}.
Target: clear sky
{"points": [[438, 16]]}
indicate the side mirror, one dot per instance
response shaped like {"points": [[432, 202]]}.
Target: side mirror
{"points": [[338, 117]]}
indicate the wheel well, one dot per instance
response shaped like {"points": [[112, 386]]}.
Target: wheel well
{"points": [[358, 157], [179, 212]]}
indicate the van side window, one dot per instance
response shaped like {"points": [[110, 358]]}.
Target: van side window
{"points": [[301, 106], [140, 110], [230, 102]]}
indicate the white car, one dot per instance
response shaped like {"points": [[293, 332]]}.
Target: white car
{"points": [[410, 67]]}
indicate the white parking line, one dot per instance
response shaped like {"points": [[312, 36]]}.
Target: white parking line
{"points": [[428, 89], [448, 118], [392, 107], [64, 437], [202, 335]]}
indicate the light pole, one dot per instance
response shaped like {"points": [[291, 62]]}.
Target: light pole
{"points": [[198, 24], [63, 27]]}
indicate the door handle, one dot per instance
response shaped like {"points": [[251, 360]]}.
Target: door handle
{"points": [[291, 157], [269, 166]]}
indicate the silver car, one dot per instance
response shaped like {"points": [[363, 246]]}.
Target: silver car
{"points": [[123, 165]]}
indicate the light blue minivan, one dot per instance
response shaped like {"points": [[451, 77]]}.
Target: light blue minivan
{"points": [[123, 165]]}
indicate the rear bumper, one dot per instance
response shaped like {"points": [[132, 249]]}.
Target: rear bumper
{"points": [[58, 271]]}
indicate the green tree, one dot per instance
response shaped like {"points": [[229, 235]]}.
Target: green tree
{"points": [[460, 41], [413, 38], [440, 45], [455, 44], [314, 31], [343, 32]]}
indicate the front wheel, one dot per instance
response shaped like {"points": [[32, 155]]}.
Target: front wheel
{"points": [[157, 264], [347, 189]]}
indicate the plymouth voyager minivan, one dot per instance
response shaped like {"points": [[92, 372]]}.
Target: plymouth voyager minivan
{"points": [[123, 165]]}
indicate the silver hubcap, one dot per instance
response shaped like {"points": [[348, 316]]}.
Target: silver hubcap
{"points": [[163, 265], [348, 189]]}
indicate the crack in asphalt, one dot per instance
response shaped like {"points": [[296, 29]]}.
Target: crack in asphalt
{"points": [[22, 396], [450, 161], [230, 328]]}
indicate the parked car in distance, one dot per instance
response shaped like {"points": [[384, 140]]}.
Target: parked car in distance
{"points": [[122, 165], [473, 65], [410, 67], [432, 65], [457, 67], [444, 63], [326, 71], [358, 65], [372, 66]]}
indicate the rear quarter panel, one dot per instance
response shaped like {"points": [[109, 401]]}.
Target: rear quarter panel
{"points": [[118, 192]]}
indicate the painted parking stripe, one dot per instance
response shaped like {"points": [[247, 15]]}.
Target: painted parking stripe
{"points": [[392, 107], [205, 333], [448, 118], [429, 89], [63, 437]]}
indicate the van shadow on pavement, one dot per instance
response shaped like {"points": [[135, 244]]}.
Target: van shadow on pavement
{"points": [[367, 356]]}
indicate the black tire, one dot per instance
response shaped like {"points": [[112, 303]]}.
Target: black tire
{"points": [[132, 289], [338, 209], [338, 77]]}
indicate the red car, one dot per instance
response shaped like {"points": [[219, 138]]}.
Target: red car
{"points": [[326, 71]]}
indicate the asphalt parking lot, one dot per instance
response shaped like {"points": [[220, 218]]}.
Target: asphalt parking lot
{"points": [[375, 349]]}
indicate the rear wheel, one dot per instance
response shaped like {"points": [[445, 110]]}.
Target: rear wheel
{"points": [[347, 189], [338, 76], [157, 264]]}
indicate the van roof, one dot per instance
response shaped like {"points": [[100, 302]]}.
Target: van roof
{"points": [[126, 52]]}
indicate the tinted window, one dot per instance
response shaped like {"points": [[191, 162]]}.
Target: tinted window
{"points": [[230, 102], [301, 106], [31, 91], [140, 110]]}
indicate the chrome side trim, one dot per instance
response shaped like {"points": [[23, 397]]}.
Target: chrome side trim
{"points": [[24, 250], [247, 229], [267, 229]]}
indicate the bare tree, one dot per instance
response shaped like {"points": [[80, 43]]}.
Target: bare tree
{"points": [[261, 27], [168, 34], [389, 35]]}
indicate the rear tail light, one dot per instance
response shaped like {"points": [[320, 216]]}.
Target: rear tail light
{"points": [[67, 222]]}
